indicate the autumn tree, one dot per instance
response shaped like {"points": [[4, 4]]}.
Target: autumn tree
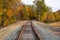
{"points": [[57, 15], [8, 10], [40, 7]]}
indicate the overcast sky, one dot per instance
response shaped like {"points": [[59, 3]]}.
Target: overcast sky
{"points": [[55, 4]]}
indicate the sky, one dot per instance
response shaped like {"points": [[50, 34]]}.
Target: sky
{"points": [[55, 4]]}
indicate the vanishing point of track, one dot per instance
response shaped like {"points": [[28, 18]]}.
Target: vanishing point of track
{"points": [[28, 32]]}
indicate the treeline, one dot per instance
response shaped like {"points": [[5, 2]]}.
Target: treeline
{"points": [[44, 13], [14, 10], [9, 11]]}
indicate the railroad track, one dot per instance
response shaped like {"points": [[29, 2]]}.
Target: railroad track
{"points": [[28, 33]]}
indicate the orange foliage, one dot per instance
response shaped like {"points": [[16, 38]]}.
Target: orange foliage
{"points": [[51, 17]]}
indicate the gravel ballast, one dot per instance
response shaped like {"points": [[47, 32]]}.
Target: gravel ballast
{"points": [[45, 34], [13, 35]]}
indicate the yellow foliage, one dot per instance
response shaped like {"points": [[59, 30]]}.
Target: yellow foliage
{"points": [[10, 13], [44, 16], [56, 14], [17, 0], [1, 10], [28, 9], [6, 22], [0, 20], [19, 8]]}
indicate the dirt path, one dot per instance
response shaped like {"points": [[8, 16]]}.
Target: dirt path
{"points": [[7, 30]]}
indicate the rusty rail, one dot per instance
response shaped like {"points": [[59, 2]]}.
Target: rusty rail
{"points": [[35, 31], [21, 33]]}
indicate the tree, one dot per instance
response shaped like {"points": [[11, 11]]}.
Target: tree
{"points": [[57, 15], [8, 10], [40, 7]]}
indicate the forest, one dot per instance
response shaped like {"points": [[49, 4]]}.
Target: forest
{"points": [[14, 10]]}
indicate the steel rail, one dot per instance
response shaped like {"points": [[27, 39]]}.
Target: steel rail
{"points": [[23, 29]]}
